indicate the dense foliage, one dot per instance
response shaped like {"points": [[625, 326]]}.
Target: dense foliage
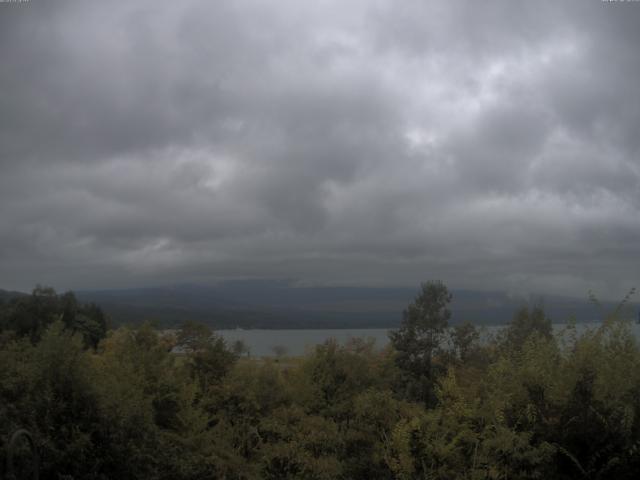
{"points": [[144, 404]]}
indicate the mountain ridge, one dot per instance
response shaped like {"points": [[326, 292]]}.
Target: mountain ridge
{"points": [[279, 304]]}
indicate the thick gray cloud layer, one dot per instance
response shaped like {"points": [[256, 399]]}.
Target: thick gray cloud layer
{"points": [[490, 144]]}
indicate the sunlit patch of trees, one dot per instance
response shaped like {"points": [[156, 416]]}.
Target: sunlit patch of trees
{"points": [[437, 403]]}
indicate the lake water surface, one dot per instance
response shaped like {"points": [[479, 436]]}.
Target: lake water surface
{"points": [[297, 342]]}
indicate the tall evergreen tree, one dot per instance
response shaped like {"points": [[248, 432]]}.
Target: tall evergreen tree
{"points": [[420, 337]]}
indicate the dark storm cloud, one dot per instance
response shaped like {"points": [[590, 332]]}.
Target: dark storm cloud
{"points": [[491, 144]]}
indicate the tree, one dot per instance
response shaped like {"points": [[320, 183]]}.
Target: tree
{"points": [[420, 337], [209, 359], [30, 316], [526, 322], [464, 338], [193, 336], [240, 347]]}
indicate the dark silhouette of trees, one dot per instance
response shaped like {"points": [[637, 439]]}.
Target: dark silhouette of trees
{"points": [[464, 338], [420, 337], [526, 322], [528, 404], [28, 316], [208, 357]]}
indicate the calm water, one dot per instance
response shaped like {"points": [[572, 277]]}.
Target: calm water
{"points": [[297, 342]]}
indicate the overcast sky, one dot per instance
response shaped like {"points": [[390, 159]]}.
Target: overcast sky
{"points": [[490, 144]]}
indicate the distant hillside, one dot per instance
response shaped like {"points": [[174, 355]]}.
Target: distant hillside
{"points": [[6, 295], [277, 304]]}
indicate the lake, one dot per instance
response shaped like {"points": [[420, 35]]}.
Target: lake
{"points": [[297, 342]]}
